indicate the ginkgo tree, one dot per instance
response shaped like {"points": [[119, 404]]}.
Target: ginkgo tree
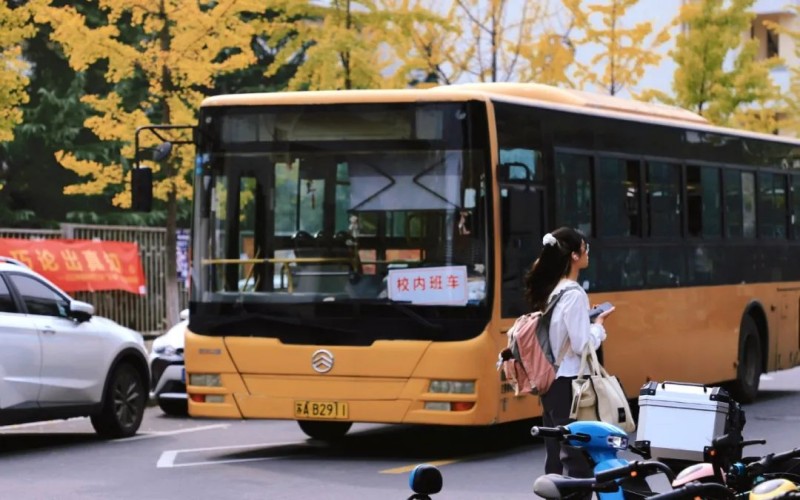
{"points": [[622, 53], [170, 51], [345, 44], [500, 40], [15, 27], [718, 74], [487, 41]]}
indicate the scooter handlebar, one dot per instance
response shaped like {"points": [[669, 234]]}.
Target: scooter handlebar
{"points": [[771, 459], [549, 432], [694, 490]]}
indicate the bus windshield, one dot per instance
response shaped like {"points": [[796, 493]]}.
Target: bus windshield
{"points": [[341, 203]]}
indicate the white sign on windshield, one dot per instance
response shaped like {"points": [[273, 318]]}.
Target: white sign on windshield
{"points": [[429, 285]]}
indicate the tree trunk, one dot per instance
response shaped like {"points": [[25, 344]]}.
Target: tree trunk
{"points": [[171, 267]]}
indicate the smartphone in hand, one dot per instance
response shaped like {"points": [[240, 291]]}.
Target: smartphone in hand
{"points": [[598, 310]]}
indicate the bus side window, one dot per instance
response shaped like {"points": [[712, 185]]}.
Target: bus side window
{"points": [[663, 200], [574, 192], [703, 202], [618, 186], [771, 205], [732, 186]]}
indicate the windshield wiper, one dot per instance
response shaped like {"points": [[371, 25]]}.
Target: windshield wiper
{"points": [[401, 307]]}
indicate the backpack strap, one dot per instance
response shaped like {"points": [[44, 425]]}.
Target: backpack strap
{"points": [[549, 312], [563, 353]]}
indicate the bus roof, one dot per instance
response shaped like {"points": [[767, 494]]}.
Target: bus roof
{"points": [[575, 101], [582, 99]]}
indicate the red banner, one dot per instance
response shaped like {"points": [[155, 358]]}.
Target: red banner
{"points": [[81, 265]]}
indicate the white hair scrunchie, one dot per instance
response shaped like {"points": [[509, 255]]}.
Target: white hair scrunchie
{"points": [[549, 240]]}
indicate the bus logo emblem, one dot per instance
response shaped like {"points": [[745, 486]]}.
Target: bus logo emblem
{"points": [[322, 361]]}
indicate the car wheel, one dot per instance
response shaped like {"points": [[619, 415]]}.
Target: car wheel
{"points": [[324, 431], [123, 404], [748, 372], [174, 407]]}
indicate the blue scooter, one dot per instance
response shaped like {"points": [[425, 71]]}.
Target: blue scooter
{"points": [[615, 478]]}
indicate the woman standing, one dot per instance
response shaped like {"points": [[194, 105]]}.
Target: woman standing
{"points": [[564, 254]]}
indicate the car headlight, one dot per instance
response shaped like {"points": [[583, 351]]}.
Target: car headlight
{"points": [[165, 350]]}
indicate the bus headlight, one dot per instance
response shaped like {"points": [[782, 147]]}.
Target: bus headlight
{"points": [[205, 379], [452, 387]]}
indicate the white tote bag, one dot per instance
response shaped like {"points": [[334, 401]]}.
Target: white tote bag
{"points": [[596, 395]]}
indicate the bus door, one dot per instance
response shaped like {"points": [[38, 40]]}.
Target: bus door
{"points": [[523, 222], [320, 255]]}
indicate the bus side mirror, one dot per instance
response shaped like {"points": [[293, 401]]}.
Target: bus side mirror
{"points": [[162, 151], [142, 189]]}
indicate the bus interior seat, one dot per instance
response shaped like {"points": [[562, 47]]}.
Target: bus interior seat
{"points": [[322, 277]]}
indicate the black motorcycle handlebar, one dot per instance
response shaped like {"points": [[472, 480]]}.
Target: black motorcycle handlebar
{"points": [[694, 490], [644, 468]]}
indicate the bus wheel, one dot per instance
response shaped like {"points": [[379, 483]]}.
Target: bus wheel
{"points": [[748, 373], [324, 431]]}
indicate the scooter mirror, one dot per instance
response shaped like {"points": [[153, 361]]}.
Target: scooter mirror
{"points": [[425, 480]]}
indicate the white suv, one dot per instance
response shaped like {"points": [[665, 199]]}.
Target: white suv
{"points": [[58, 360]]}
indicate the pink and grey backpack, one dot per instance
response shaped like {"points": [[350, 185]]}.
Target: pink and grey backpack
{"points": [[528, 362]]}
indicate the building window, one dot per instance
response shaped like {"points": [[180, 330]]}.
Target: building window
{"points": [[773, 48]]}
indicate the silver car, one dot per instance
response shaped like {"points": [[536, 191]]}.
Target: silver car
{"points": [[58, 360], [167, 370]]}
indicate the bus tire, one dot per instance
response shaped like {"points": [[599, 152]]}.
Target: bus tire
{"points": [[748, 370], [324, 431]]}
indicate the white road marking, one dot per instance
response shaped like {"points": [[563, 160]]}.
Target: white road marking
{"points": [[38, 424], [167, 458], [155, 434]]}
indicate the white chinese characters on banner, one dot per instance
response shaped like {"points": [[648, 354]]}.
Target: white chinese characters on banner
{"points": [[429, 285]]}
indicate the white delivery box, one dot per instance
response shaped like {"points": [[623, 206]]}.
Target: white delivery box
{"points": [[679, 420]]}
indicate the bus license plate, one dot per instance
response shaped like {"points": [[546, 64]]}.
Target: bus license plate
{"points": [[321, 409]]}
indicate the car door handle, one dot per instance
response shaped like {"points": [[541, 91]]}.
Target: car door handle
{"points": [[48, 331]]}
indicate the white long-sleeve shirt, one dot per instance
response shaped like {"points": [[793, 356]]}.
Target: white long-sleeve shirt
{"points": [[571, 317]]}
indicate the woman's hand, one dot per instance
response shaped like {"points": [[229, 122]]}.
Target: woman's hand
{"points": [[599, 320]]}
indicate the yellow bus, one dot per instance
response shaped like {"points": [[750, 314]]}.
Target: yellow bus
{"points": [[358, 256]]}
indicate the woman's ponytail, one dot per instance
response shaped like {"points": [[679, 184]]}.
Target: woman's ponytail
{"points": [[554, 263]]}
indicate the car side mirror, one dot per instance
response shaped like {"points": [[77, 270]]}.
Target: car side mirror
{"points": [[80, 311], [184, 314]]}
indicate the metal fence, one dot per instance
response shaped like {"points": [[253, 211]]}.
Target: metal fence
{"points": [[144, 313]]}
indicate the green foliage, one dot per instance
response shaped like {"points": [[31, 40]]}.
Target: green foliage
{"points": [[703, 82], [15, 28], [342, 44], [625, 52]]}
